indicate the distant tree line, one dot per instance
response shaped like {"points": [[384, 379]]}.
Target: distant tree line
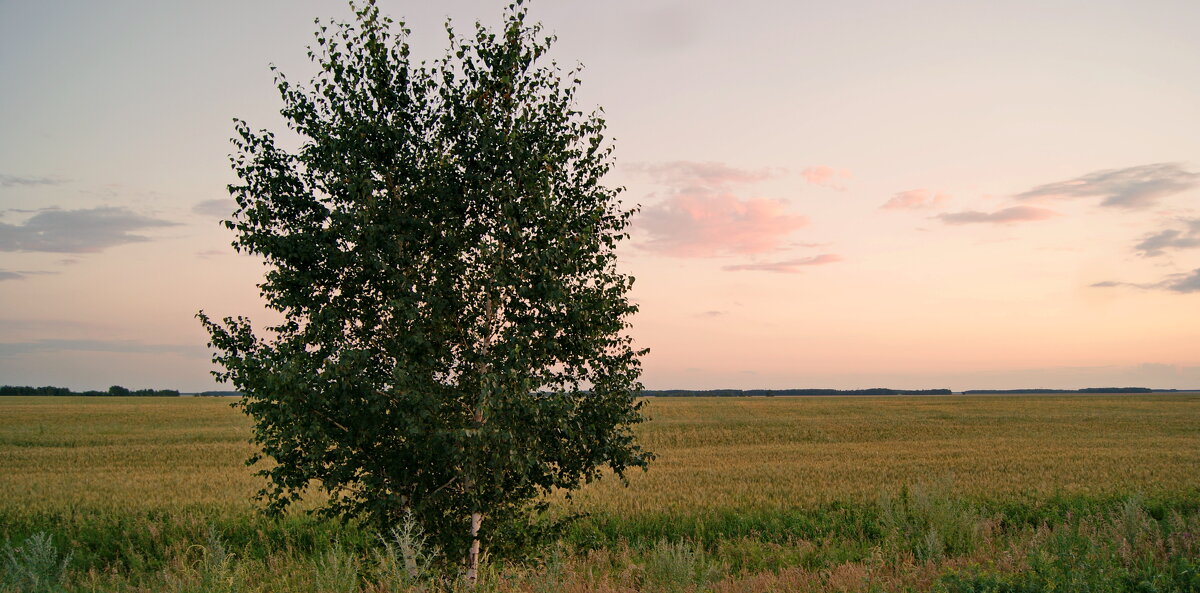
{"points": [[1084, 390], [775, 392], [114, 390]]}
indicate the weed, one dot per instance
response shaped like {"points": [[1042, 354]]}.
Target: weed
{"points": [[405, 562], [928, 523], [35, 566], [677, 566], [1124, 552], [336, 571]]}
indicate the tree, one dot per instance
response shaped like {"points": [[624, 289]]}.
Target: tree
{"points": [[442, 251]]}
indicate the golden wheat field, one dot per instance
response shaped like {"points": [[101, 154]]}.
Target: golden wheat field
{"points": [[712, 453]]}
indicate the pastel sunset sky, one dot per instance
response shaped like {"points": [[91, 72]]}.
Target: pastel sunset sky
{"points": [[851, 194]]}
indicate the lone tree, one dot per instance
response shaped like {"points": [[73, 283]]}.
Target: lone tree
{"points": [[441, 249]]}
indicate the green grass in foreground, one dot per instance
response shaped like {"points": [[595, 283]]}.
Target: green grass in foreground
{"points": [[1074, 493]]}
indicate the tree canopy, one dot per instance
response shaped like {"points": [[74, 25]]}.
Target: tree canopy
{"points": [[441, 247]]}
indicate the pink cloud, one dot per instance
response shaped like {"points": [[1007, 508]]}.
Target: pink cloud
{"points": [[790, 266], [915, 199], [826, 176], [1005, 216], [704, 224]]}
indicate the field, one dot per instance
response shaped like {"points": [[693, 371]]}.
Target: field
{"points": [[747, 494]]}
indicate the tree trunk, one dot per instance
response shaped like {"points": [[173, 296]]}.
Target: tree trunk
{"points": [[476, 517], [473, 554]]}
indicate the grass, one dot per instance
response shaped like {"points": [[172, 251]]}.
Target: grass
{"points": [[982, 493]]}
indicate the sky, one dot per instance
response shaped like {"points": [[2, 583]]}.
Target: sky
{"points": [[923, 194]]}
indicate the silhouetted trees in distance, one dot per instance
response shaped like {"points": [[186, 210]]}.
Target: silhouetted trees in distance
{"points": [[1084, 390], [122, 391], [882, 391], [774, 392], [114, 390]]}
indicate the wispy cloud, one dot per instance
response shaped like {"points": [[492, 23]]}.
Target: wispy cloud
{"points": [[703, 217], [123, 346], [21, 274], [1183, 283], [790, 266], [827, 176], [77, 231], [220, 208], [1156, 244], [915, 199], [1131, 187], [26, 181], [1011, 215]]}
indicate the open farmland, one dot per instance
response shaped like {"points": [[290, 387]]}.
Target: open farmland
{"points": [[785, 452], [744, 490]]}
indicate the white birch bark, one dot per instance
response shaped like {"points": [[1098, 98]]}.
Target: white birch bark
{"points": [[473, 554]]}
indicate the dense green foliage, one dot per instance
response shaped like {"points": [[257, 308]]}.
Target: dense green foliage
{"points": [[442, 251]]}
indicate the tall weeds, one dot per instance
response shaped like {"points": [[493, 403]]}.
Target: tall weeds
{"points": [[928, 523], [404, 562], [34, 566], [1123, 551]]}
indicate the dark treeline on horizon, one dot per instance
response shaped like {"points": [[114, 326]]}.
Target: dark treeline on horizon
{"points": [[115, 390], [883, 391], [774, 392], [1084, 390]]}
